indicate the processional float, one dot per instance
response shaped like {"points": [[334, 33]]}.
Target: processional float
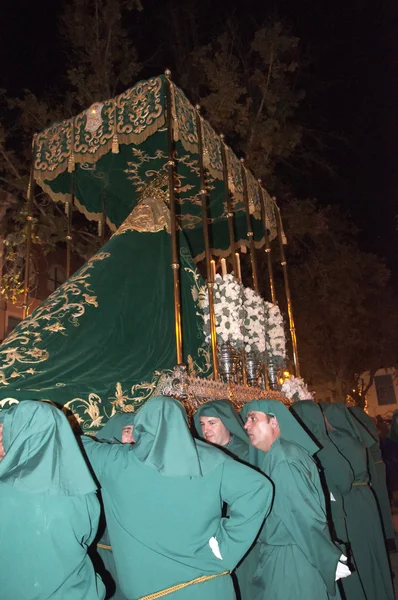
{"points": [[125, 326]]}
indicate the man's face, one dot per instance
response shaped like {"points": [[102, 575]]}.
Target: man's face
{"points": [[214, 431], [127, 435], [2, 452], [262, 429]]}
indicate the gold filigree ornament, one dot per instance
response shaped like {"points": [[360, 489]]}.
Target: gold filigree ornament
{"points": [[195, 391], [65, 306], [94, 117], [151, 213], [90, 413]]}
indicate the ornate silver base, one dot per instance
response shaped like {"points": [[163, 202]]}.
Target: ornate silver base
{"points": [[272, 376], [253, 369], [228, 364]]}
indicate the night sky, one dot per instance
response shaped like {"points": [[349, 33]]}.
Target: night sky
{"points": [[352, 87]]}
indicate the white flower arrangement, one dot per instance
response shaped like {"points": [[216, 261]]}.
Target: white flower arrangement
{"points": [[245, 320], [275, 339], [229, 311], [254, 324], [296, 389]]}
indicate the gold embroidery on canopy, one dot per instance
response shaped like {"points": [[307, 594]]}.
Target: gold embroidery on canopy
{"points": [[133, 116], [91, 412], [151, 213], [26, 344]]}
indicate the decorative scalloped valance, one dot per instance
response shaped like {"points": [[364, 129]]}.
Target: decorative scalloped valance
{"points": [[110, 153]]}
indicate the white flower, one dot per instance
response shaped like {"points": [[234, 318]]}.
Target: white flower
{"points": [[227, 308], [296, 389]]}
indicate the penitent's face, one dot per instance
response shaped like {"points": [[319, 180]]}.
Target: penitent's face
{"points": [[127, 434], [262, 429], [214, 431]]}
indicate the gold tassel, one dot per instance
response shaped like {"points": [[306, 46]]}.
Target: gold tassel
{"points": [[71, 163], [100, 228], [115, 144]]}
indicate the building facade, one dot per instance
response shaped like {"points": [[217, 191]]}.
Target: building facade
{"points": [[381, 398]]}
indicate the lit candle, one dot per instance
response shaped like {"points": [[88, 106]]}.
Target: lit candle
{"points": [[223, 267], [238, 274], [213, 269]]}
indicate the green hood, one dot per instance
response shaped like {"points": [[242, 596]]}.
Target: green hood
{"points": [[365, 420], [340, 418], [163, 440], [42, 454], [222, 409], [311, 415], [112, 430], [290, 429]]}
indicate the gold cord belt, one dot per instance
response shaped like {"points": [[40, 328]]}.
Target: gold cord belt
{"points": [[359, 483], [379, 462], [181, 586], [104, 546]]}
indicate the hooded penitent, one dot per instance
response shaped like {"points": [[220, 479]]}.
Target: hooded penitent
{"points": [[377, 467], [151, 490], [296, 532], [238, 445], [112, 430], [364, 527], [52, 511]]}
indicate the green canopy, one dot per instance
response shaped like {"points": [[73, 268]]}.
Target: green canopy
{"points": [[109, 153], [99, 344]]}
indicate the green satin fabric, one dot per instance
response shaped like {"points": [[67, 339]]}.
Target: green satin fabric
{"points": [[338, 479], [364, 527], [295, 554], [163, 440], [377, 468], [366, 420], [340, 418], [295, 537], [42, 455], [114, 333], [112, 430], [160, 526], [222, 409], [338, 473], [49, 509]]}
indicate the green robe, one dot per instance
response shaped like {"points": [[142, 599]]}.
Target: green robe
{"points": [[336, 471], [163, 500], [111, 432], [238, 447], [296, 531], [338, 478], [49, 509], [296, 558], [363, 521], [377, 467]]}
